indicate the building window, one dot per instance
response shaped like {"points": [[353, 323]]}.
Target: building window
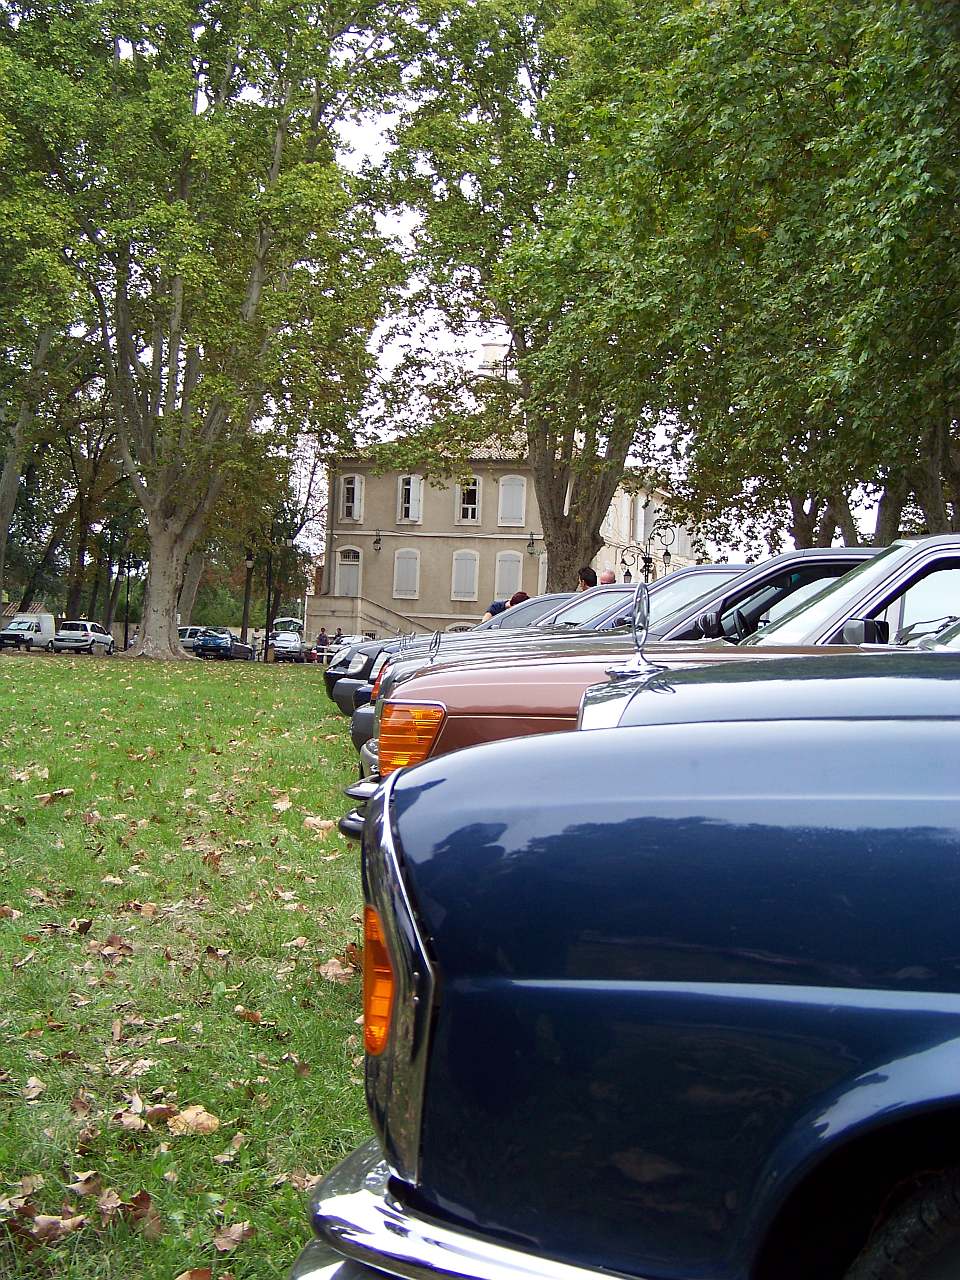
{"points": [[468, 502], [351, 498], [466, 570], [640, 505], [348, 572], [513, 501], [542, 574], [406, 574], [409, 500], [509, 574]]}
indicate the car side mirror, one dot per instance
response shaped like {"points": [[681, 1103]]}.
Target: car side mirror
{"points": [[866, 631], [710, 625]]}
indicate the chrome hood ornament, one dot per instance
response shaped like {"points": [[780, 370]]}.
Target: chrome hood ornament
{"points": [[640, 618], [435, 645]]}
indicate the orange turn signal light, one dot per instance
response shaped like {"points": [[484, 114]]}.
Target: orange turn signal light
{"points": [[408, 731], [378, 984]]}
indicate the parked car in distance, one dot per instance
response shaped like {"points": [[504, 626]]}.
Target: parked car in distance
{"points": [[220, 642], [28, 631], [678, 1000], [83, 637], [287, 640], [188, 637]]}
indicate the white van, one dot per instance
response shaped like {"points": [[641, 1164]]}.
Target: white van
{"points": [[28, 631]]}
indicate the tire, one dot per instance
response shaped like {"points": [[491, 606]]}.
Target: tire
{"points": [[90, 648], [920, 1240], [109, 650], [49, 646]]}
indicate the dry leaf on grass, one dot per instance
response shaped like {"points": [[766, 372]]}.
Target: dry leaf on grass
{"points": [[9, 913], [32, 1089], [253, 1016], [86, 1183], [227, 1157], [283, 804], [48, 797], [297, 942], [193, 1119], [228, 1238], [334, 971], [320, 825], [49, 1228]]}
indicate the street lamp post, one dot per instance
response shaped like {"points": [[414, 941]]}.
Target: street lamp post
{"points": [[642, 555], [247, 590]]}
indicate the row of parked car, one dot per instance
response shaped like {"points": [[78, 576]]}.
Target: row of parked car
{"points": [[661, 974], [26, 631]]}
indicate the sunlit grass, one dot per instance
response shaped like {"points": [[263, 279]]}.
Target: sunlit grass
{"points": [[180, 839]]}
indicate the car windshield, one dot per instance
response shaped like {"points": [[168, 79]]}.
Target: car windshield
{"points": [[287, 624], [796, 626], [523, 614], [21, 624], [679, 593], [590, 606]]}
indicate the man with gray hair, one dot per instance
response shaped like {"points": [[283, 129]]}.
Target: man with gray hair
{"points": [[607, 578]]}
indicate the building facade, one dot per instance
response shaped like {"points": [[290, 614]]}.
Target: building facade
{"points": [[404, 552]]}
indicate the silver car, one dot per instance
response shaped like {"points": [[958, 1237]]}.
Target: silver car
{"points": [[83, 637]]}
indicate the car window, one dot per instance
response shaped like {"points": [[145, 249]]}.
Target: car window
{"points": [[804, 621], [682, 589], [524, 614], [591, 605], [70, 626], [775, 596], [929, 603]]}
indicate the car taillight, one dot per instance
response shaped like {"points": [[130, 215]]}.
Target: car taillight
{"points": [[378, 984], [375, 691], [407, 733]]}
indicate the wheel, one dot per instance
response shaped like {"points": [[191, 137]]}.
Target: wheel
{"points": [[49, 646], [90, 648], [920, 1240], [110, 648]]}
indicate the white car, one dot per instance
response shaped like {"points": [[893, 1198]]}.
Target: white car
{"points": [[287, 640], [83, 637]]}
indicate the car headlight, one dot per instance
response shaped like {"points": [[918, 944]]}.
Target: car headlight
{"points": [[357, 663], [338, 654]]}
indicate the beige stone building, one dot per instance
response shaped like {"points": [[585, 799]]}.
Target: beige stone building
{"points": [[403, 552]]}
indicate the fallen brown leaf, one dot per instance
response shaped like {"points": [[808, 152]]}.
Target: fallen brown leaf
{"points": [[32, 1089], [320, 825], [86, 1183], [253, 1016], [227, 1238], [334, 971], [193, 1119]]}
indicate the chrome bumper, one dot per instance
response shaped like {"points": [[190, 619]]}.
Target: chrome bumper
{"points": [[365, 1232]]}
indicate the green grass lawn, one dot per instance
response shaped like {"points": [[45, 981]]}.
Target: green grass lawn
{"points": [[166, 930]]}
